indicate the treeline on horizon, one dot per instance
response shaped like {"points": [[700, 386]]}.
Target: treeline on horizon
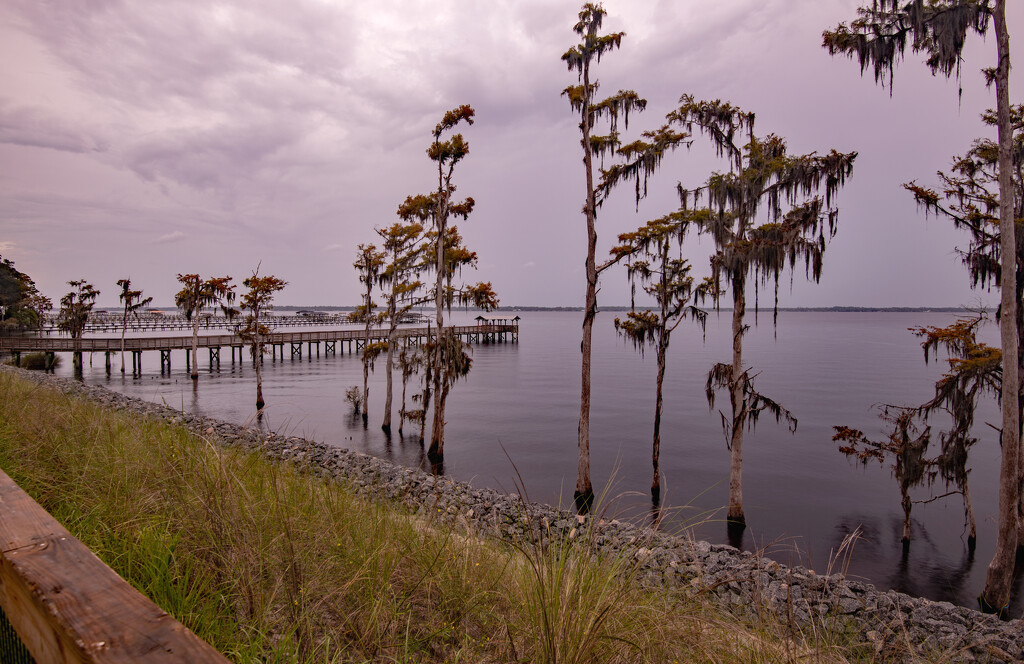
{"points": [[531, 307]]}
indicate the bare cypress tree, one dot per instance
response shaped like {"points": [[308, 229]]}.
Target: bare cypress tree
{"points": [[582, 100], [369, 264], [666, 278], [970, 198], [906, 444], [939, 29], [798, 220], [75, 310], [975, 369], [258, 300], [195, 295], [133, 302], [403, 245], [447, 357]]}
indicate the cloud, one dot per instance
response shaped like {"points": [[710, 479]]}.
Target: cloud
{"points": [[37, 127], [250, 121], [175, 236]]}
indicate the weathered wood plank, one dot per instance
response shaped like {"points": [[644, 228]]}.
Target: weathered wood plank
{"points": [[68, 606]]}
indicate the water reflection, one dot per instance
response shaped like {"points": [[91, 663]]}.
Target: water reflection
{"points": [[523, 398], [924, 569]]}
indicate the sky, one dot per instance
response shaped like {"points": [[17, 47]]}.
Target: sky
{"points": [[148, 139]]}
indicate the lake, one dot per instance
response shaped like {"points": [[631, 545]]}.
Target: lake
{"points": [[516, 415]]}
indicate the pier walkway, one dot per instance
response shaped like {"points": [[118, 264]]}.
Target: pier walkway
{"points": [[500, 331], [107, 322]]}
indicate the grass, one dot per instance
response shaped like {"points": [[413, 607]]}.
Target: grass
{"points": [[36, 361], [270, 563]]}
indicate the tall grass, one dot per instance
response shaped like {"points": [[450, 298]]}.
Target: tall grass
{"points": [[270, 563], [35, 361]]}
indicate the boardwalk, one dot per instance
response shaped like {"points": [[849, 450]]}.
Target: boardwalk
{"points": [[332, 340], [166, 323]]}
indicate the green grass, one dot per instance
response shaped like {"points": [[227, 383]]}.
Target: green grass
{"points": [[36, 361], [270, 563]]}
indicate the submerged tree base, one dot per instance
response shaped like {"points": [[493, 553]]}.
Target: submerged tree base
{"points": [[1001, 612], [584, 501], [735, 526], [656, 495]]}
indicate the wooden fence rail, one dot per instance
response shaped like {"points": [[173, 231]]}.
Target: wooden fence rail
{"points": [[67, 606]]}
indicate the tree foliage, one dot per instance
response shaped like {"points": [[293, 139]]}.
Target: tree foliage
{"points": [[969, 197], [76, 307], [403, 245], [198, 294], [666, 277], [133, 303], [792, 197], [880, 34], [906, 445], [938, 28], [258, 300], [369, 264], [445, 255], [975, 371], [22, 306]]}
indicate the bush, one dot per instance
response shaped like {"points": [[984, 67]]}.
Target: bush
{"points": [[34, 361], [354, 396]]}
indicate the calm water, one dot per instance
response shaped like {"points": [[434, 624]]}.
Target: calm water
{"points": [[518, 410]]}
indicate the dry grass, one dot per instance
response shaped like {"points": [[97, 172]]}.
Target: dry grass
{"points": [[270, 563]]}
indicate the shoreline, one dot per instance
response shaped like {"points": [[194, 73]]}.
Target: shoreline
{"points": [[740, 582]]}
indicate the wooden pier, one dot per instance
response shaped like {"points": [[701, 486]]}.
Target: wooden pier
{"points": [[485, 332], [167, 323]]}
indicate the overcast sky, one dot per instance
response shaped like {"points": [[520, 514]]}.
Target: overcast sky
{"points": [[143, 139]]}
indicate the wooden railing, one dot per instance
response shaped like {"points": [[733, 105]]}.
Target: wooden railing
{"points": [[67, 606], [94, 344]]}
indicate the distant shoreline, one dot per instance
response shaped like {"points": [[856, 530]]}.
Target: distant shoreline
{"points": [[839, 309], [619, 308]]}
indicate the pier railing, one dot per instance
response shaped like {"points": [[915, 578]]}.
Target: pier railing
{"points": [[478, 333], [67, 606]]}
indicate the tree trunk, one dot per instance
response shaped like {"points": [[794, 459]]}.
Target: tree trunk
{"points": [[257, 354], [584, 494], [436, 450], [907, 505], [195, 347], [366, 360], [124, 327], [737, 386], [426, 401], [405, 382], [366, 386], [656, 448], [972, 524], [996, 595], [386, 424], [441, 386], [1020, 378]]}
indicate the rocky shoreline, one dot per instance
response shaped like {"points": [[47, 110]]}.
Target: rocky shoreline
{"points": [[899, 627]]}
